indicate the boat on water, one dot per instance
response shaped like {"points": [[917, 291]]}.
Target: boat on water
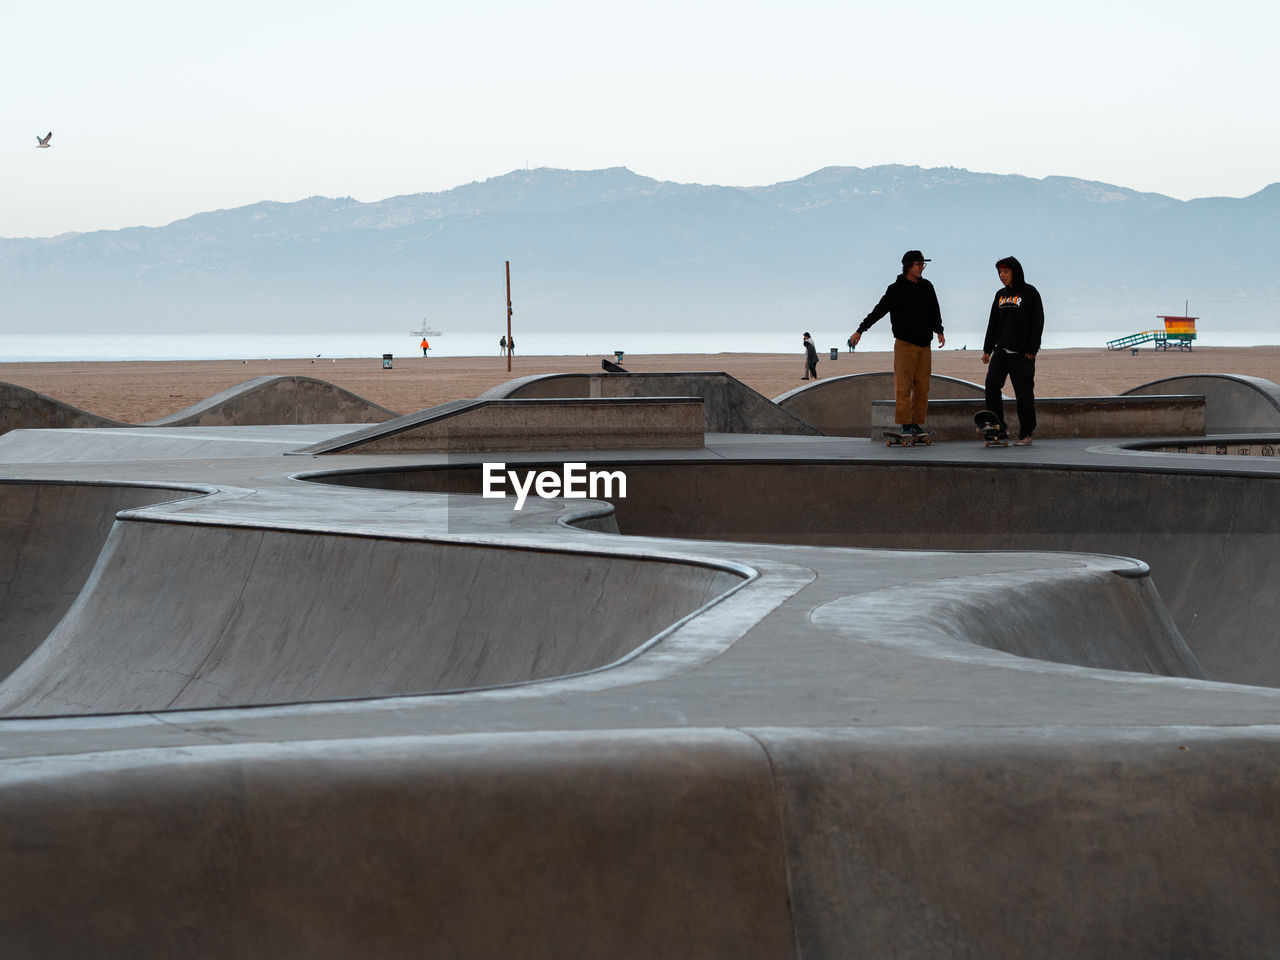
{"points": [[426, 331]]}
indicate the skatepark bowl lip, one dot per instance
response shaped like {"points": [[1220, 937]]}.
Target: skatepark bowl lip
{"points": [[820, 762], [1123, 483], [152, 499]]}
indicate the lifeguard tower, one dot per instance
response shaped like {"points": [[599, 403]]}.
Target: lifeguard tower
{"points": [[1177, 332]]}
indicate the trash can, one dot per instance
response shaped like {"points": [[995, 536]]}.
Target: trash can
{"points": [[386, 361], [835, 352], [618, 355]]}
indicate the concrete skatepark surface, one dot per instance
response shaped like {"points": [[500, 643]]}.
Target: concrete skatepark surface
{"points": [[757, 710], [841, 406], [262, 400]]}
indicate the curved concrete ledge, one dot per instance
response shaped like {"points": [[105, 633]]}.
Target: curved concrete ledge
{"points": [[278, 399], [50, 538], [263, 400], [1080, 616], [1207, 538], [573, 423], [729, 405], [1058, 417], [1233, 403], [23, 409], [850, 753], [841, 406], [175, 616]]}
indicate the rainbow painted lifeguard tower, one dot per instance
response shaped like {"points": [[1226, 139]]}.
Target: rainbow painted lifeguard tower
{"points": [[1178, 332]]}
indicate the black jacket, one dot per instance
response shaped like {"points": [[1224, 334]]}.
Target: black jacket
{"points": [[1017, 317], [810, 353], [913, 311]]}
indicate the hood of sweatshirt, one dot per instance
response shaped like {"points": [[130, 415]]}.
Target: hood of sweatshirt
{"points": [[1018, 278]]}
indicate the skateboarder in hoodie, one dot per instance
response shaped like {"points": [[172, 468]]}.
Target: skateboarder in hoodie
{"points": [[1009, 349], [914, 315]]}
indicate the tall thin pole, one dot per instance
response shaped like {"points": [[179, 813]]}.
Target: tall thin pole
{"points": [[508, 316]]}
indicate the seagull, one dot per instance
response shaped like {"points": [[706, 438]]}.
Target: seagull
{"points": [[44, 141]]}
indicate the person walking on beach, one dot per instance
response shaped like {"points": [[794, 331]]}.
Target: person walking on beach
{"points": [[502, 345], [425, 346], [511, 346], [810, 358], [914, 315], [1010, 346]]}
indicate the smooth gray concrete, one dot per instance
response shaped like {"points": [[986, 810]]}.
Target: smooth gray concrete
{"points": [[23, 409], [841, 406], [468, 426], [278, 399], [195, 604], [729, 405], [1063, 417], [263, 400], [52, 535], [823, 750], [1233, 403]]}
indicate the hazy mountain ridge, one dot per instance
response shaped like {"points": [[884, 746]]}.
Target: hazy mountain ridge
{"points": [[611, 246]]}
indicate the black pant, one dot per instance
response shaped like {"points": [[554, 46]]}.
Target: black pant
{"points": [[1022, 372]]}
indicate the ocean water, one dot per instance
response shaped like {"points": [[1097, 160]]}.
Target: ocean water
{"points": [[271, 346]]}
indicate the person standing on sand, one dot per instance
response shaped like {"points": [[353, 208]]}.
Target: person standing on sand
{"points": [[914, 314], [425, 346], [511, 346], [810, 358], [502, 345], [1009, 349]]}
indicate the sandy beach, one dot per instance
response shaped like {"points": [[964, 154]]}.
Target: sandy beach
{"points": [[138, 391]]}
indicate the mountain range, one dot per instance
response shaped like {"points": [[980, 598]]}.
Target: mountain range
{"points": [[610, 248]]}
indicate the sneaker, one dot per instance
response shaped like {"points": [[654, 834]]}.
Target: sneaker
{"points": [[1022, 442], [912, 429]]}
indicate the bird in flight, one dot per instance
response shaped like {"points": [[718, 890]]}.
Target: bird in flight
{"points": [[44, 141]]}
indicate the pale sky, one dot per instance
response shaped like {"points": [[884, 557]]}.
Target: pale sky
{"points": [[164, 109]]}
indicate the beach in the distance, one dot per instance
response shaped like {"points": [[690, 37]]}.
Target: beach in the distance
{"points": [[137, 391]]}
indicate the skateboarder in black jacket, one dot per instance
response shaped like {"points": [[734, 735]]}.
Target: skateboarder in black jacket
{"points": [[1010, 346], [914, 315]]}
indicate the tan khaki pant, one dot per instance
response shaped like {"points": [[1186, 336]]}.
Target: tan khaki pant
{"points": [[911, 368]]}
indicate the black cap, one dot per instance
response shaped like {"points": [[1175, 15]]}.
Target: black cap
{"points": [[911, 256]]}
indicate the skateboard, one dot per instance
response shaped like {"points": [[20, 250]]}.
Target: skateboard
{"points": [[988, 425], [893, 438]]}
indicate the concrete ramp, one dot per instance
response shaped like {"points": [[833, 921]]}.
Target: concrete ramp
{"points": [[728, 404], [23, 409], [473, 426], [257, 402], [278, 400], [841, 406], [1211, 541], [50, 538], [1058, 417], [182, 615], [1233, 403], [106, 445]]}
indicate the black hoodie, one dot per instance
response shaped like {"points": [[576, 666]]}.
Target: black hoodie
{"points": [[913, 311], [1017, 316]]}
